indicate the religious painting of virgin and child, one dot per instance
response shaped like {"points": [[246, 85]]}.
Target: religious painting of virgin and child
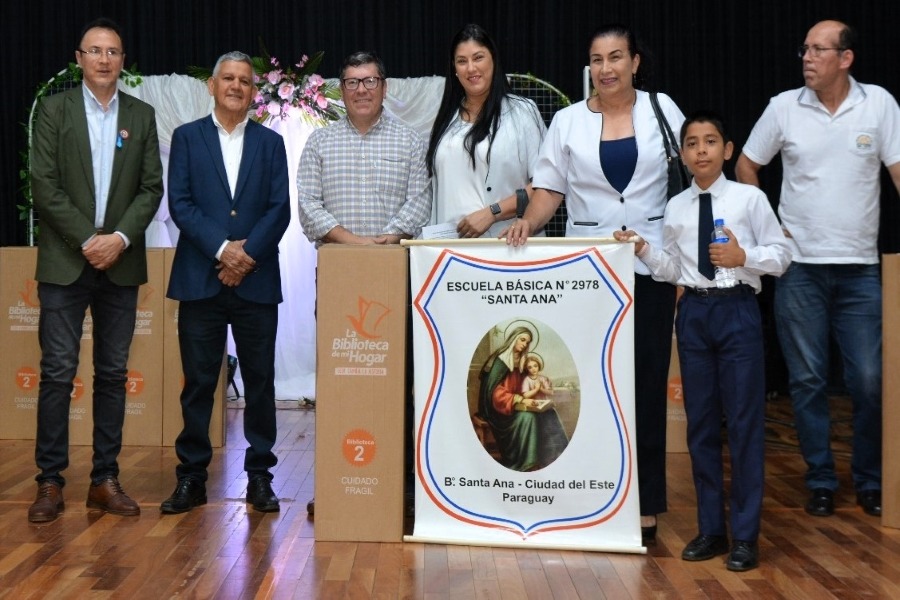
{"points": [[524, 394]]}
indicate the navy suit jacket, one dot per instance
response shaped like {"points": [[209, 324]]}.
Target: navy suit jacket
{"points": [[201, 204]]}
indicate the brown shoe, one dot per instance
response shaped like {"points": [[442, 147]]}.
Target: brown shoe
{"points": [[110, 497], [48, 504]]}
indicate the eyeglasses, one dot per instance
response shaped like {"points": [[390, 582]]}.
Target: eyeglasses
{"points": [[370, 83], [94, 52], [814, 51]]}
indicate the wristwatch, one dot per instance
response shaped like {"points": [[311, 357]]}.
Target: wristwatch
{"points": [[495, 209]]}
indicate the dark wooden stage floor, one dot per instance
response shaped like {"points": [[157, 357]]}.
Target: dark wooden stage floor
{"points": [[224, 550]]}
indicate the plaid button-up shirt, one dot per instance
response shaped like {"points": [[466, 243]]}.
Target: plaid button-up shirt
{"points": [[370, 184]]}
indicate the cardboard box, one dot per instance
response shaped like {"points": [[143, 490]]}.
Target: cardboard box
{"points": [[21, 366], [153, 408], [144, 389], [361, 392], [173, 376], [890, 484]]}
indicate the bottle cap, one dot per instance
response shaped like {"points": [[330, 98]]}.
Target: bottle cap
{"points": [[718, 222]]}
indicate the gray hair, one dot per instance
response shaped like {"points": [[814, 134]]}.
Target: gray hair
{"points": [[235, 56]]}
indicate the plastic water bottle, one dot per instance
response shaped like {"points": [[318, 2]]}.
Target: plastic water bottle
{"points": [[725, 276]]}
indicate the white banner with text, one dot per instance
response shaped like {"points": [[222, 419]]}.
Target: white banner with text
{"points": [[524, 394]]}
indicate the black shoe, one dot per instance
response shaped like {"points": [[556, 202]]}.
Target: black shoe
{"points": [[188, 494], [744, 556], [261, 496], [705, 547], [648, 532], [821, 503], [311, 507], [870, 500]]}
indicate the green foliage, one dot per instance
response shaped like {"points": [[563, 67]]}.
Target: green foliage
{"points": [[201, 73], [312, 65]]}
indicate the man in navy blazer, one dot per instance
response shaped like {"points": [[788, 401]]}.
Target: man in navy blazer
{"points": [[228, 195]]}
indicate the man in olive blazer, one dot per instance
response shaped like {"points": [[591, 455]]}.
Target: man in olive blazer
{"points": [[66, 211], [96, 183]]}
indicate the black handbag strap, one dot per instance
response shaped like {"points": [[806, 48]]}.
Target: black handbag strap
{"points": [[670, 142]]}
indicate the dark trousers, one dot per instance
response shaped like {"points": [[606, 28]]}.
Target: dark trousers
{"points": [[654, 311], [202, 335], [63, 309], [720, 347]]}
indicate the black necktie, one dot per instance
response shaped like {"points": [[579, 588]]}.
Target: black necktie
{"points": [[704, 230]]}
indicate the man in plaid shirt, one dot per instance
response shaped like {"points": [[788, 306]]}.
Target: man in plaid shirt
{"points": [[363, 180]]}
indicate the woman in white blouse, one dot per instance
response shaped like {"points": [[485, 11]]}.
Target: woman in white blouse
{"points": [[484, 143], [606, 157]]}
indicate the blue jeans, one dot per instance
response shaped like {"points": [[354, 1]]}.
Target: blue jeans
{"points": [[844, 301], [63, 309]]}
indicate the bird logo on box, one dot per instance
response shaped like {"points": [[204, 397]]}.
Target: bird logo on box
{"points": [[371, 314]]}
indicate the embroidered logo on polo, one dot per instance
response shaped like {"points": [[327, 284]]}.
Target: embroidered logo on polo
{"points": [[864, 141]]}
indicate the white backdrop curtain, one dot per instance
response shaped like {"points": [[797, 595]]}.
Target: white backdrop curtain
{"points": [[180, 99]]}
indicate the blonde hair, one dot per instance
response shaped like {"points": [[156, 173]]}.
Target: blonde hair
{"points": [[533, 356]]}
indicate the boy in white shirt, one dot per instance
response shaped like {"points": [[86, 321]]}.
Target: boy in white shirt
{"points": [[719, 334]]}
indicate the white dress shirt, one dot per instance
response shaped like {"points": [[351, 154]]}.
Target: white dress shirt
{"points": [[103, 137], [105, 141], [232, 144], [746, 212]]}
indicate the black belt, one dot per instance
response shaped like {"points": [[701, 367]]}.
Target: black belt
{"points": [[742, 288]]}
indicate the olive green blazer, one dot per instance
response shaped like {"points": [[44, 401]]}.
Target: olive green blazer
{"points": [[62, 184]]}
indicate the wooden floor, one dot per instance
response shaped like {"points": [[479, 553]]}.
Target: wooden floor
{"points": [[224, 550]]}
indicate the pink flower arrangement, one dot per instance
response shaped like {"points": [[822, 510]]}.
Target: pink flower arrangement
{"points": [[288, 92]]}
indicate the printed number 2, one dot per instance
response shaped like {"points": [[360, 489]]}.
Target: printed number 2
{"points": [[360, 454]]}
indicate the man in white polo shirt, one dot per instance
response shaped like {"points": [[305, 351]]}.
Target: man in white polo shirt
{"points": [[833, 135]]}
